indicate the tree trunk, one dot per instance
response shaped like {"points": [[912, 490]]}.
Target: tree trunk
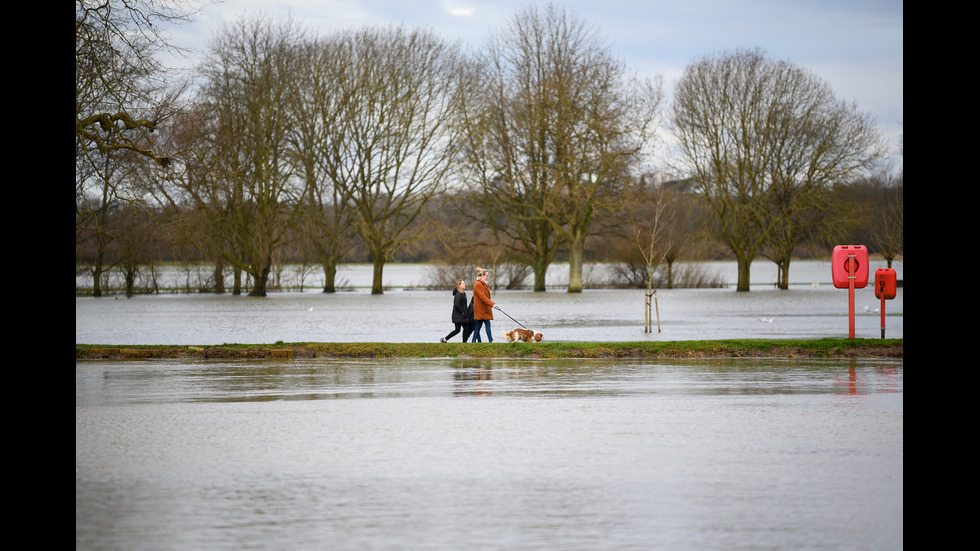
{"points": [[540, 268], [129, 273], [237, 289], [783, 271], [261, 279], [219, 278], [97, 279], [743, 274], [99, 266], [575, 265], [647, 311], [379, 265], [330, 276]]}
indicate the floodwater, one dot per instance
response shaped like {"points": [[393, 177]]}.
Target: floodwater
{"points": [[489, 454], [449, 454], [811, 308]]}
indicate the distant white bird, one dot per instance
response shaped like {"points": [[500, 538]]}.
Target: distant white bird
{"points": [[766, 320], [310, 309]]}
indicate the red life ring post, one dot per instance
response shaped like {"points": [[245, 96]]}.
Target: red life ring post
{"points": [[886, 287], [849, 269]]}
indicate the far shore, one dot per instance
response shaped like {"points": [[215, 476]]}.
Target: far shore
{"points": [[761, 348]]}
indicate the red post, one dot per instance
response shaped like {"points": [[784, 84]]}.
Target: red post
{"points": [[886, 286], [849, 269], [851, 275], [882, 317]]}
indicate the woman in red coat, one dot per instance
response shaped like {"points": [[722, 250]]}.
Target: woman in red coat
{"points": [[482, 305]]}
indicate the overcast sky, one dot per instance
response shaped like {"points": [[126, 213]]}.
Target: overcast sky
{"points": [[855, 45]]}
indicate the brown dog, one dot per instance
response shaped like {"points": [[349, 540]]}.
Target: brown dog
{"points": [[525, 335]]}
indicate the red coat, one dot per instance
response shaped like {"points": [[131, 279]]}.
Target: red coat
{"points": [[482, 305]]}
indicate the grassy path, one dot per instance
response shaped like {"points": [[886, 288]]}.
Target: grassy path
{"points": [[819, 348]]}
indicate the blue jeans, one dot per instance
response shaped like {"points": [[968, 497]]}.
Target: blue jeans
{"points": [[476, 331]]}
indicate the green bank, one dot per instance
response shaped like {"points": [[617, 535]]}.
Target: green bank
{"points": [[822, 348]]}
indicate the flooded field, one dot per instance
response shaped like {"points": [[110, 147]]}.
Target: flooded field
{"points": [[811, 308], [489, 453]]}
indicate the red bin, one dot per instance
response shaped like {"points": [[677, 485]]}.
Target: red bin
{"points": [[841, 262], [886, 283]]}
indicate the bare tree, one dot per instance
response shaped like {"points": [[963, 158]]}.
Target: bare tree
{"points": [[122, 91], [887, 215], [328, 222], [555, 135], [136, 247], [650, 221], [390, 148], [95, 210], [761, 138], [670, 217], [238, 170], [799, 217]]}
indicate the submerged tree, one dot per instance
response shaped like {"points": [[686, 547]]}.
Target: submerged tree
{"points": [[394, 132], [96, 211], [764, 140], [238, 170], [328, 223], [122, 94], [554, 135]]}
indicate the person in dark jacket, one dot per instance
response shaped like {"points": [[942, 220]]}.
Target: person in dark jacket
{"points": [[462, 315]]}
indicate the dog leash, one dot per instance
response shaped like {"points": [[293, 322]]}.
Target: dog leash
{"points": [[508, 315]]}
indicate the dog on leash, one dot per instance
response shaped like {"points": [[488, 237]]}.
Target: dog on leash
{"points": [[525, 335]]}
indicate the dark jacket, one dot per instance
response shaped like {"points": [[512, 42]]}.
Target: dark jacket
{"points": [[460, 311]]}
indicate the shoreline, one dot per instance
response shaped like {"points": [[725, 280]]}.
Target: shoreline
{"points": [[749, 348]]}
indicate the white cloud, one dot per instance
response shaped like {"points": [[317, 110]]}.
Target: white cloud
{"points": [[458, 8]]}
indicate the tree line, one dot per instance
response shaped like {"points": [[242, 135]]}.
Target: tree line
{"points": [[389, 142]]}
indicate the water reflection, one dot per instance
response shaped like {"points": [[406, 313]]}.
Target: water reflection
{"points": [[475, 381], [886, 375], [318, 379]]}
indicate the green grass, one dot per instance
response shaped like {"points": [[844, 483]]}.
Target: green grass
{"points": [[668, 349]]}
